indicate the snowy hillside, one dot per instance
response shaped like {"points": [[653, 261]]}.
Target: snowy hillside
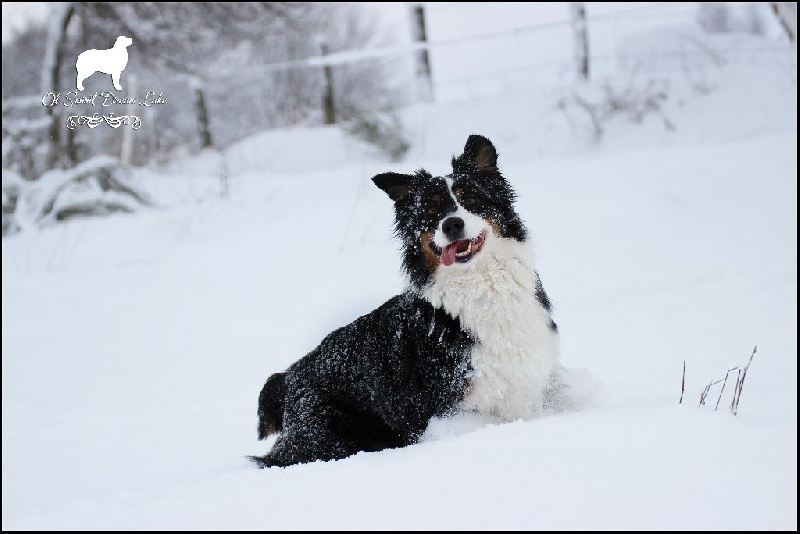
{"points": [[134, 346]]}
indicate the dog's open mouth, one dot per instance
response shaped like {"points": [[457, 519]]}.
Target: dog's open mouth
{"points": [[463, 250]]}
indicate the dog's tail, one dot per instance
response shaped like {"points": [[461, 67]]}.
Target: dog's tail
{"points": [[270, 405], [261, 461]]}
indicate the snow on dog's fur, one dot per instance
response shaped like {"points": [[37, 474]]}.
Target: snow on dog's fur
{"points": [[112, 61], [471, 333]]}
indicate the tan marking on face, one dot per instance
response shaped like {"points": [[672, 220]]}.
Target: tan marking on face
{"points": [[433, 209], [430, 255], [494, 225]]}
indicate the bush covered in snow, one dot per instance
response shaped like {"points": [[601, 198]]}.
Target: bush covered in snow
{"points": [[590, 106], [97, 187]]}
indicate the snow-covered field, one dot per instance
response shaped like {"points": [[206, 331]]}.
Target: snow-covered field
{"points": [[134, 346]]}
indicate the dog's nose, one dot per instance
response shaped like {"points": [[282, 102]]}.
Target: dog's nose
{"points": [[453, 228]]}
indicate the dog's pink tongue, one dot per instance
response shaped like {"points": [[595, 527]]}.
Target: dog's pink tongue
{"points": [[449, 254]]}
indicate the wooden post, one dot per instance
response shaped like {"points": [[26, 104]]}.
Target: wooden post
{"points": [[72, 147], [127, 134], [328, 105], [201, 111], [787, 16], [422, 64], [578, 10]]}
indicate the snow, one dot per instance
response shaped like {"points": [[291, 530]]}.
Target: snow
{"points": [[134, 346]]}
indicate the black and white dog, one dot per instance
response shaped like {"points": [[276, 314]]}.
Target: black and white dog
{"points": [[473, 330]]}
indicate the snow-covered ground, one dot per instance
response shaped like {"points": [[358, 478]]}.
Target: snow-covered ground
{"points": [[134, 346]]}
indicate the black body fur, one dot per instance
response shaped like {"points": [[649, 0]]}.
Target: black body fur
{"points": [[373, 384]]}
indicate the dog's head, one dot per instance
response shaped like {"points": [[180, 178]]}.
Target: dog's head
{"points": [[123, 42], [450, 222]]}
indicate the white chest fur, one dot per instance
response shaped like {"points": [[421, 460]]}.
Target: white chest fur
{"points": [[516, 350]]}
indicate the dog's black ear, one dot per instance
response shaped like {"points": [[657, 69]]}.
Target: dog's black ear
{"points": [[394, 184], [479, 155]]}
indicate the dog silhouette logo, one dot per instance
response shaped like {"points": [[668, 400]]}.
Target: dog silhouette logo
{"points": [[112, 61]]}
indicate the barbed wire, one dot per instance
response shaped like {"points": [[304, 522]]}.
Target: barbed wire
{"points": [[353, 55], [740, 55]]}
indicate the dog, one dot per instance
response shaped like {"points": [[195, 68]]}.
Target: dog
{"points": [[472, 332], [112, 61]]}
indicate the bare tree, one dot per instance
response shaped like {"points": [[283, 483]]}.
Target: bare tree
{"points": [[51, 67], [368, 92], [197, 49], [185, 38], [24, 78], [24, 125]]}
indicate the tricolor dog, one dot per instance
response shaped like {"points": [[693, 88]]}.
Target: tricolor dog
{"points": [[472, 331]]}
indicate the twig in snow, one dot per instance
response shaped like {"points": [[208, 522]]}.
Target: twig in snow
{"points": [[738, 392], [683, 382], [736, 389], [723, 386], [704, 394]]}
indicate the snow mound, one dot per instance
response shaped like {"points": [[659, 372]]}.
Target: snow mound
{"points": [[99, 186]]}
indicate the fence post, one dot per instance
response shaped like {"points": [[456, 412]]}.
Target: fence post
{"points": [[327, 93], [578, 11], [787, 16], [201, 110], [423, 77], [127, 134]]}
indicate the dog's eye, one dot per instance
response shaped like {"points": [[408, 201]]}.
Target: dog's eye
{"points": [[433, 210], [471, 202]]}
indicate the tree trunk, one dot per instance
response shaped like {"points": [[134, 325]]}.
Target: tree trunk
{"points": [[53, 59], [578, 11]]}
